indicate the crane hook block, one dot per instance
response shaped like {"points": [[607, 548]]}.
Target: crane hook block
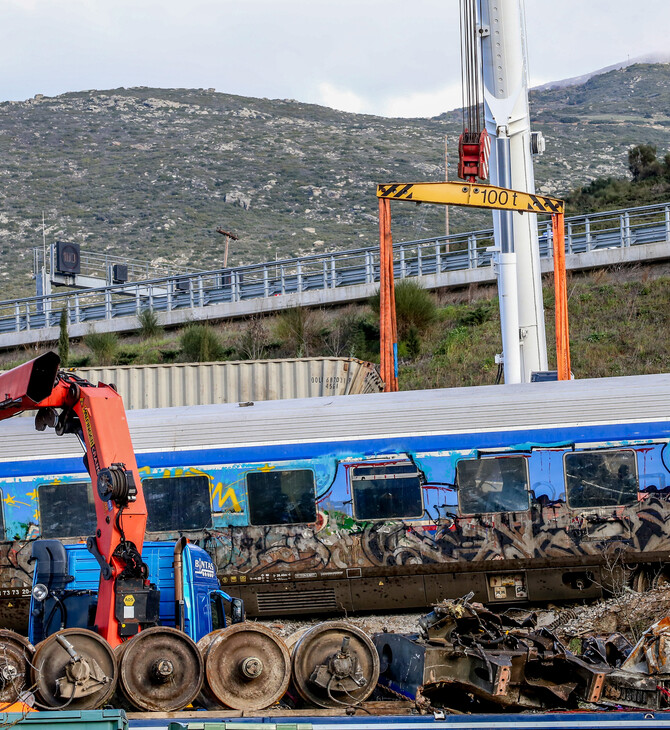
{"points": [[474, 149], [117, 484]]}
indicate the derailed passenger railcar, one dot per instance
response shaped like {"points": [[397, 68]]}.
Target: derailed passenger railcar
{"points": [[533, 492]]}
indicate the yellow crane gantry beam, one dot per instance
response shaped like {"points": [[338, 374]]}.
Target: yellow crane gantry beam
{"points": [[472, 195]]}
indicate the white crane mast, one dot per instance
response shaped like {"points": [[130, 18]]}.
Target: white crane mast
{"points": [[503, 49]]}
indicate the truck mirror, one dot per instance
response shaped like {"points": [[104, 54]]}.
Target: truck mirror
{"points": [[237, 615]]}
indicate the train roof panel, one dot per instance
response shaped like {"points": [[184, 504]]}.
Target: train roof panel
{"points": [[643, 398]]}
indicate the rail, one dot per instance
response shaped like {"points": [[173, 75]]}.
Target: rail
{"points": [[403, 720], [323, 272]]}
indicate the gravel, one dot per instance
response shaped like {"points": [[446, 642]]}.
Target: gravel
{"points": [[629, 613]]}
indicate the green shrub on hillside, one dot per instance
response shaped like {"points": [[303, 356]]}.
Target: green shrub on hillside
{"points": [[103, 345], [345, 337], [254, 340], [200, 343], [414, 306], [413, 343], [299, 330], [149, 326], [650, 184]]}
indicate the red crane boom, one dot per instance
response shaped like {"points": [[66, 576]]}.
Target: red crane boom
{"points": [[126, 600]]}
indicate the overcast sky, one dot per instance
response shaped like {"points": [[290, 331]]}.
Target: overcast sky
{"points": [[388, 57]]}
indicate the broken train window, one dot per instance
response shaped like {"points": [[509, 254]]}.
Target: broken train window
{"points": [[66, 509], [281, 497], [386, 491], [496, 484], [177, 503], [601, 478]]}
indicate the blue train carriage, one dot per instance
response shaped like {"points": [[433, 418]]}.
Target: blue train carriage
{"points": [[536, 492]]}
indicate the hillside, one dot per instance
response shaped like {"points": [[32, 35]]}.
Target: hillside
{"points": [[151, 173]]}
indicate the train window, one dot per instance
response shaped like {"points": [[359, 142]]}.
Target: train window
{"points": [[492, 485], [386, 491], [66, 509], [281, 497], [177, 503], [601, 478]]}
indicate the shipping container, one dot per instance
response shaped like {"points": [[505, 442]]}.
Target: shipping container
{"points": [[192, 384]]}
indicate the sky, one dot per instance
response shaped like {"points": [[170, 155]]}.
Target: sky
{"points": [[385, 57]]}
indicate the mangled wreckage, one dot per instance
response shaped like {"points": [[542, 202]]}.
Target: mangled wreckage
{"points": [[466, 657]]}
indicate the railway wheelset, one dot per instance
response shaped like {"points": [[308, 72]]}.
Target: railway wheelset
{"points": [[244, 667]]}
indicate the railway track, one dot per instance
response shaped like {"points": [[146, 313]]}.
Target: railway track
{"points": [[369, 717]]}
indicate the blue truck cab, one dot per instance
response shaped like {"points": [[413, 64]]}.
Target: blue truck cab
{"points": [[66, 578]]}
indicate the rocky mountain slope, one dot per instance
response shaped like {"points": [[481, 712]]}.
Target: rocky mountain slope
{"points": [[151, 173]]}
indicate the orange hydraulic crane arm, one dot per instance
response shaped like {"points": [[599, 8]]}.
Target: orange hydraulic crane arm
{"points": [[95, 414]]}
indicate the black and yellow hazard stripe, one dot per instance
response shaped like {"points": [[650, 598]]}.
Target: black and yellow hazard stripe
{"points": [[478, 196]]}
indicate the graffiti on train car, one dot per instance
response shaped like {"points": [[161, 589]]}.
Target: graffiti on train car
{"points": [[338, 543], [547, 528], [402, 514], [61, 505]]}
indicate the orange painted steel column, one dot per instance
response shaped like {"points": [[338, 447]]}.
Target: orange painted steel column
{"points": [[561, 297], [383, 336], [387, 336], [391, 298]]}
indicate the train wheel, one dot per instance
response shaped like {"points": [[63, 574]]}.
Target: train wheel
{"points": [[16, 656], [247, 667], [661, 577], [335, 664], [206, 699], [160, 669], [640, 581], [74, 669], [295, 637]]}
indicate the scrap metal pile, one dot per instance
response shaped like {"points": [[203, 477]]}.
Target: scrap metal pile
{"points": [[467, 658]]}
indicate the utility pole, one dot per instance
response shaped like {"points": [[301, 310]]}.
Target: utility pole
{"points": [[229, 237], [446, 179], [42, 282]]}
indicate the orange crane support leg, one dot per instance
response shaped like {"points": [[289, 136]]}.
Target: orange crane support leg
{"points": [[561, 295]]}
